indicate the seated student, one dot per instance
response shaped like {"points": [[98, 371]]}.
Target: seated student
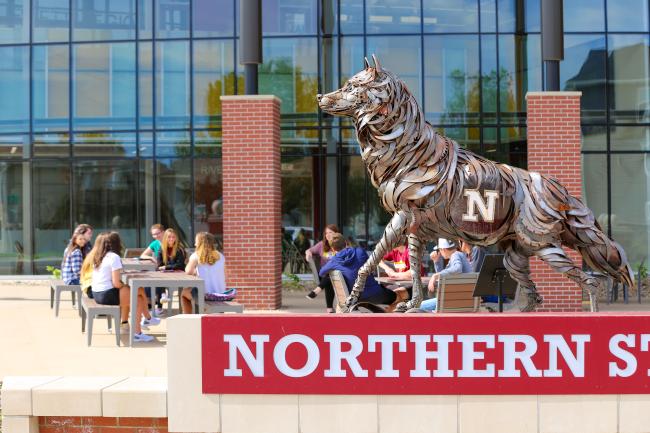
{"points": [[324, 251], [400, 258], [107, 287], [171, 256], [457, 264], [73, 258], [87, 231], [207, 263], [475, 254], [151, 253], [349, 261]]}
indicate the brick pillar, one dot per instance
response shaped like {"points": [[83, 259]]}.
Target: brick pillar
{"points": [[554, 150], [252, 198]]}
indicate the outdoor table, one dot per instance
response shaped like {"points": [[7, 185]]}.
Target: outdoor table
{"points": [[172, 280], [134, 264]]}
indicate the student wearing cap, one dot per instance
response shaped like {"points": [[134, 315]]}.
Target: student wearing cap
{"points": [[457, 264]]}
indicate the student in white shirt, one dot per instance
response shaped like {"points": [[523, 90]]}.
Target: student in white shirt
{"points": [[107, 287], [207, 263]]}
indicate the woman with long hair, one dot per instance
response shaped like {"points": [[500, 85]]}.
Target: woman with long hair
{"points": [[73, 258], [107, 287], [325, 251], [207, 263], [171, 256], [87, 231]]}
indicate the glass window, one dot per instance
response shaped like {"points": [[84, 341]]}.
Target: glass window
{"points": [[14, 240], [627, 16], [450, 16], [289, 17], [467, 138], [490, 144], [594, 187], [629, 82], [50, 93], [533, 15], [105, 197], [629, 137], [145, 82], [583, 69], [489, 78], [488, 15], [290, 71], [50, 212], [104, 144], [584, 16], [513, 145], [104, 86], [298, 193], [145, 144], [451, 70], [630, 189], [353, 201], [351, 16], [51, 145], [14, 88], [173, 143], [51, 20], [214, 75], [510, 17], [594, 137], [520, 71], [351, 57], [213, 18], [403, 53], [174, 186], [329, 64], [207, 142], [14, 146], [172, 84], [393, 16], [301, 141], [103, 20], [172, 19], [14, 21], [145, 19], [208, 197], [146, 200], [329, 16], [349, 143]]}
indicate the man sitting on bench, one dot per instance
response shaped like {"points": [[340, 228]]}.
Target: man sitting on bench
{"points": [[457, 264], [349, 260]]}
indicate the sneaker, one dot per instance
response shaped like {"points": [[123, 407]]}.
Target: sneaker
{"points": [[142, 337], [153, 321], [311, 295], [160, 311]]}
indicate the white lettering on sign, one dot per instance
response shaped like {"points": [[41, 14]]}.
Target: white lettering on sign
{"points": [[470, 354], [280, 355], [236, 344], [422, 355], [511, 355], [576, 363], [337, 355], [622, 354], [474, 201], [386, 342]]}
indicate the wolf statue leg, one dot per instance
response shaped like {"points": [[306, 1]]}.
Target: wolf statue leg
{"points": [[517, 263], [393, 232], [415, 254], [559, 261]]}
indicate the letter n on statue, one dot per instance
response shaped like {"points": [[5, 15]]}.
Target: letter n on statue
{"points": [[554, 150]]}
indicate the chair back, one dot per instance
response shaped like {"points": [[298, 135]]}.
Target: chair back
{"points": [[130, 253], [455, 293], [340, 289]]}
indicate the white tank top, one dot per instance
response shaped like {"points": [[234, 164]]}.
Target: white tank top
{"points": [[213, 275]]}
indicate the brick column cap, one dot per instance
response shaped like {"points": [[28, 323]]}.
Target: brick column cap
{"points": [[250, 98], [560, 93]]}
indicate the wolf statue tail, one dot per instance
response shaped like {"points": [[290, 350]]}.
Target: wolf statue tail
{"points": [[600, 252]]}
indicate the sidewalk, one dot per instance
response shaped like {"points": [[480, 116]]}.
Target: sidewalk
{"points": [[34, 342]]}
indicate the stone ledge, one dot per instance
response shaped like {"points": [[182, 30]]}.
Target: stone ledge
{"points": [[560, 93], [71, 396], [250, 98], [17, 393], [137, 397]]}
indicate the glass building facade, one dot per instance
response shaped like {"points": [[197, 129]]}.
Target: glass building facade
{"points": [[110, 110]]}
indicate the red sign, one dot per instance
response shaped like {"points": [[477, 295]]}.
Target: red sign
{"points": [[426, 354]]}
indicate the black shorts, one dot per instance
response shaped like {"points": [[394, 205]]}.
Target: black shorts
{"points": [[107, 297]]}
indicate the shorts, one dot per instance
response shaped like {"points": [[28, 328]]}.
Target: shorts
{"points": [[107, 297]]}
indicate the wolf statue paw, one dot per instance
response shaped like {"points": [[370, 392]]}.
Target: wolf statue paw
{"points": [[350, 302], [532, 301], [402, 307]]}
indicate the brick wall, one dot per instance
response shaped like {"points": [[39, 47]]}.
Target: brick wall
{"points": [[252, 198], [68, 424], [554, 150]]}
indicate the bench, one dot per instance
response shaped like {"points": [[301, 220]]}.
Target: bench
{"points": [[456, 293], [58, 286], [130, 253], [91, 309]]}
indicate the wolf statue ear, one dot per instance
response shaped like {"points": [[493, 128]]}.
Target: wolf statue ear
{"points": [[366, 65], [377, 64]]}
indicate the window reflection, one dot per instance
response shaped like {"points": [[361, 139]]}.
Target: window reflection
{"points": [[50, 212], [14, 88], [213, 18], [145, 83], [14, 146], [454, 16], [584, 16], [172, 84], [103, 19], [104, 144], [297, 17], [351, 16], [50, 91], [173, 143], [208, 197], [14, 240], [14, 21], [352, 201], [46, 145], [104, 86], [594, 172], [399, 54], [627, 16], [51, 20], [172, 18], [583, 69], [630, 137], [392, 16], [174, 204], [298, 188], [629, 83], [451, 67], [214, 75]]}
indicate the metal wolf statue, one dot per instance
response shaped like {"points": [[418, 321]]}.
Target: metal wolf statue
{"points": [[434, 188]]}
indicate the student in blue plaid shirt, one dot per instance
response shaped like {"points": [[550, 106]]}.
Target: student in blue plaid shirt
{"points": [[73, 257]]}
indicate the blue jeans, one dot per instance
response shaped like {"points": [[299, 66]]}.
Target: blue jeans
{"points": [[429, 304]]}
